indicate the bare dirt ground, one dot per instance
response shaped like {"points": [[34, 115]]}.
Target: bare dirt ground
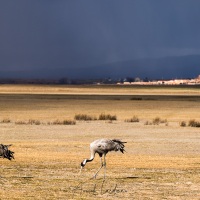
{"points": [[162, 161]]}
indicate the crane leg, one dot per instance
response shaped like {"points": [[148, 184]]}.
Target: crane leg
{"points": [[102, 164]]}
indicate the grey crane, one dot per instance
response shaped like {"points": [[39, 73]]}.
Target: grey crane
{"points": [[102, 147], [5, 152]]}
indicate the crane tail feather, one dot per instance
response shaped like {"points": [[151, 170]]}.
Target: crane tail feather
{"points": [[120, 145]]}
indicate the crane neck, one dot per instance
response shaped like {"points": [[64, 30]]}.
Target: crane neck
{"points": [[91, 157]]}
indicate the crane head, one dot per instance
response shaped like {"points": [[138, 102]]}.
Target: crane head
{"points": [[83, 163]]}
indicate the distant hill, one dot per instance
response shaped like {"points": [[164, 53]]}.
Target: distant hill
{"points": [[155, 68]]}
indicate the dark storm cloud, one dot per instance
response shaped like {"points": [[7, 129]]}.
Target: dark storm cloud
{"points": [[74, 34]]}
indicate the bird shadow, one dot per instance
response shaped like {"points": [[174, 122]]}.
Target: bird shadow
{"points": [[133, 177]]}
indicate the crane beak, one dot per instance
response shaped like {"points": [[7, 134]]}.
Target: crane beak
{"points": [[80, 170]]}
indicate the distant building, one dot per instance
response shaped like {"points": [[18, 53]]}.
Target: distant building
{"points": [[195, 81]]}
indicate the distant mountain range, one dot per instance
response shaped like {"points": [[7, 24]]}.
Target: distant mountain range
{"points": [[153, 68]]}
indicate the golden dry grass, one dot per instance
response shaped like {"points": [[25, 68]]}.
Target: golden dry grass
{"points": [[162, 162], [99, 89]]}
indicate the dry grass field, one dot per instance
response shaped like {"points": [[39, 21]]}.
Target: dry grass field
{"points": [[162, 161]]}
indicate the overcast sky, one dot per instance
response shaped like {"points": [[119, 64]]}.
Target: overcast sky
{"points": [[86, 33]]}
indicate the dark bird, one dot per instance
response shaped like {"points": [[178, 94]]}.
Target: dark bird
{"points": [[5, 152], [102, 147]]}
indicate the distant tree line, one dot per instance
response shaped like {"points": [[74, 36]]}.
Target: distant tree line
{"points": [[67, 81]]}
